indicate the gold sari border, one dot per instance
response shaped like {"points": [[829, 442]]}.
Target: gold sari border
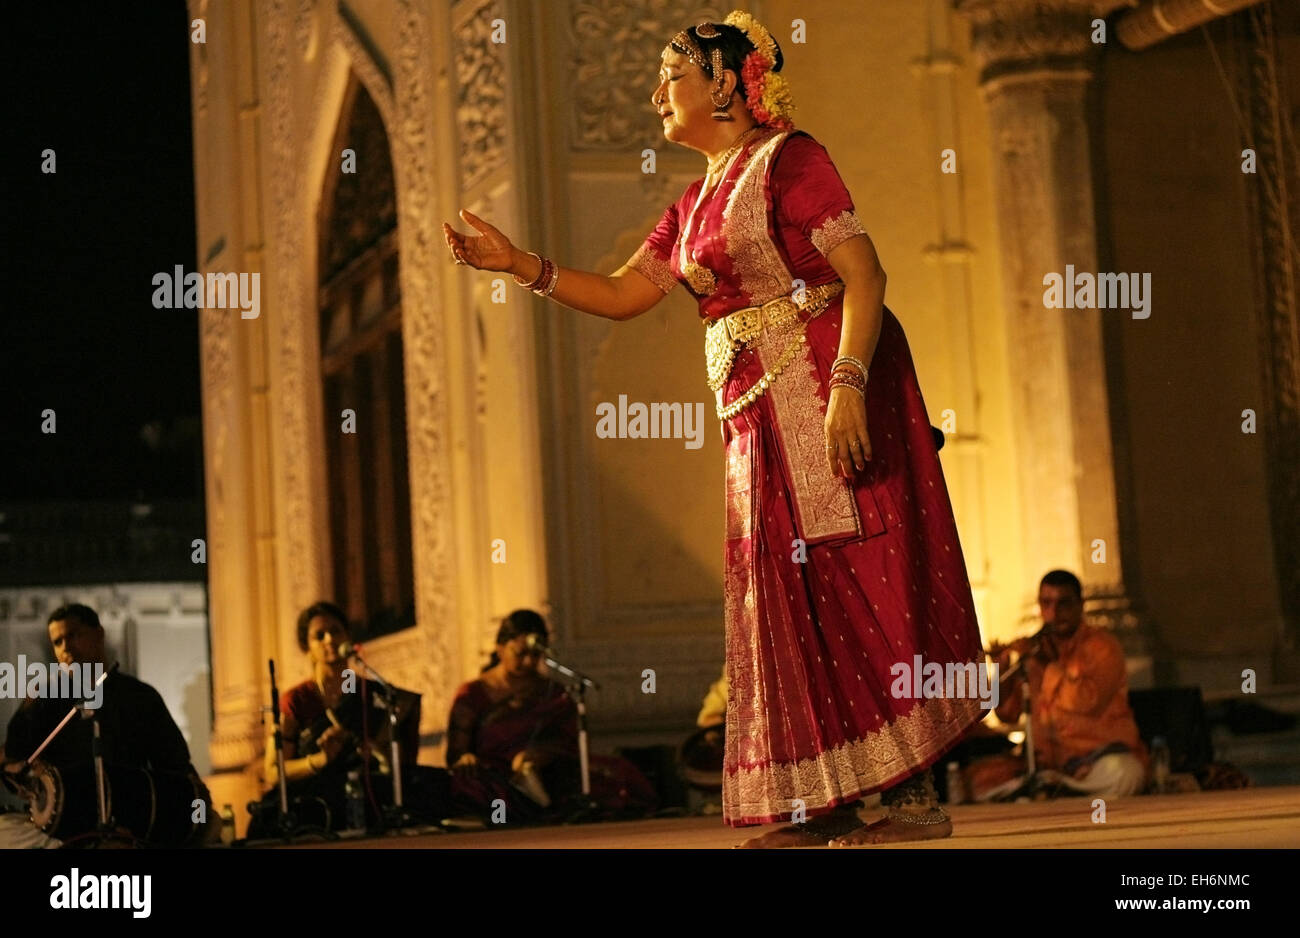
{"points": [[833, 232], [765, 794], [649, 265], [824, 507]]}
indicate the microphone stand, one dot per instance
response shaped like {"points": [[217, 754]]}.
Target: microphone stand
{"points": [[64, 722], [281, 782], [575, 685], [104, 830], [286, 822], [1032, 782], [101, 788], [394, 815]]}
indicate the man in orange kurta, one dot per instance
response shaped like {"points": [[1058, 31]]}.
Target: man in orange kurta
{"points": [[1082, 725]]}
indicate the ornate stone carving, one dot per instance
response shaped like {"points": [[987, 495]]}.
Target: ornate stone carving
{"points": [[1275, 201], [481, 94], [418, 658], [616, 46], [430, 664], [306, 28], [296, 320], [1018, 35], [373, 76], [217, 349], [1034, 54], [364, 205]]}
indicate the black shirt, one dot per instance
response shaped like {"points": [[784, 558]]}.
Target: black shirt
{"points": [[136, 729]]}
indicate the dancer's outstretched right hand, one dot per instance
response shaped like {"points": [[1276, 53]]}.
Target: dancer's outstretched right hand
{"points": [[489, 250]]}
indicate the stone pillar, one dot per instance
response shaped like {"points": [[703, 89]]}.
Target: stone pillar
{"points": [[236, 424], [1273, 199], [1035, 71]]}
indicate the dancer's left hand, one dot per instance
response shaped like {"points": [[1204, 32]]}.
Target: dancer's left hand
{"points": [[847, 445]]}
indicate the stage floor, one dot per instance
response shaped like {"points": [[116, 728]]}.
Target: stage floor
{"points": [[1252, 817]]}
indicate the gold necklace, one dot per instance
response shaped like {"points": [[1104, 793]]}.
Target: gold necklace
{"points": [[699, 277], [720, 161]]}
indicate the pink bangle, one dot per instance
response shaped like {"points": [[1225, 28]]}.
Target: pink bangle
{"points": [[550, 284]]}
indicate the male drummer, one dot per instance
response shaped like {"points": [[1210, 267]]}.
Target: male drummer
{"points": [[135, 728]]}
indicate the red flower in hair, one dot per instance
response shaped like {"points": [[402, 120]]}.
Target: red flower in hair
{"points": [[754, 74]]}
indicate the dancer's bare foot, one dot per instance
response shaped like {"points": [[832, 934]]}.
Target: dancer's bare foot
{"points": [[815, 832], [788, 836], [888, 831]]}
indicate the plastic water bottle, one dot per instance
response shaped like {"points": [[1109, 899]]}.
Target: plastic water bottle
{"points": [[356, 802], [1160, 764], [227, 825], [956, 790]]}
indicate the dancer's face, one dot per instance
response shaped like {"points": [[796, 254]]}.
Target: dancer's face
{"points": [[1062, 610], [682, 95]]}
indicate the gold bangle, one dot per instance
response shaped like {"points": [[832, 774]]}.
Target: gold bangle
{"points": [[850, 360], [536, 281]]}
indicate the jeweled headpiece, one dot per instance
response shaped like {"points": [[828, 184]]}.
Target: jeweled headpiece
{"points": [[689, 46], [767, 95]]}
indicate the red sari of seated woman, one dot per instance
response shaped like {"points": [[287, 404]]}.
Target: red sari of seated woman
{"points": [[306, 705], [828, 582], [541, 721]]}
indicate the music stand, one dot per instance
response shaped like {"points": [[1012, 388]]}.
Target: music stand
{"points": [[393, 815]]}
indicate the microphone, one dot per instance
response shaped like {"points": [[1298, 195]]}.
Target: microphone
{"points": [[275, 692], [535, 643], [351, 652], [348, 650]]}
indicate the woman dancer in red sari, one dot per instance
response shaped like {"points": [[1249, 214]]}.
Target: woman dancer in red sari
{"points": [[842, 559]]}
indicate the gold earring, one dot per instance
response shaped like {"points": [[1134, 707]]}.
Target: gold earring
{"points": [[720, 112]]}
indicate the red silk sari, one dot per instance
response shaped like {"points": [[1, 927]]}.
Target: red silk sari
{"points": [[810, 716], [547, 720]]}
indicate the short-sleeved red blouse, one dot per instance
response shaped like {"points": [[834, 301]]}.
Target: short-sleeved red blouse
{"points": [[779, 210]]}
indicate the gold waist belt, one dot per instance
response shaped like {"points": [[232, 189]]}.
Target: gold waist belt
{"points": [[725, 338]]}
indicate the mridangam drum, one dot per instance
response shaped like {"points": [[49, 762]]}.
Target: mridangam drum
{"points": [[156, 807]]}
